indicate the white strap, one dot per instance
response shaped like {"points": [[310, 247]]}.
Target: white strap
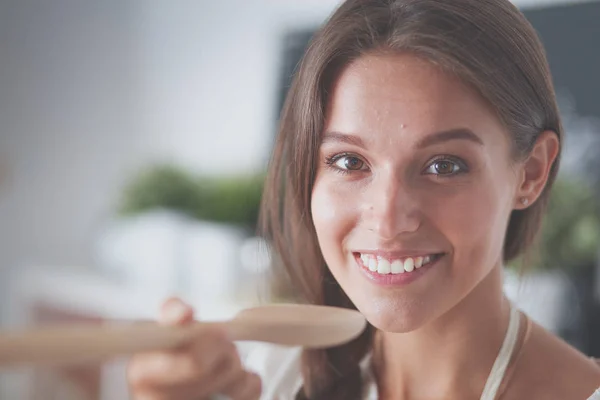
{"points": [[499, 369], [596, 395]]}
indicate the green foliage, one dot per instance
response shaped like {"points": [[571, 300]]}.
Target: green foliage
{"points": [[162, 186], [234, 200], [570, 234]]}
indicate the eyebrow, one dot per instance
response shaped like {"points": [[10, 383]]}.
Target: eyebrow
{"points": [[451, 134], [435, 138], [329, 137]]}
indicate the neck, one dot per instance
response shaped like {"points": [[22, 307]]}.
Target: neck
{"points": [[450, 357]]}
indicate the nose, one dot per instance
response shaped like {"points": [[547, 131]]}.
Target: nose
{"points": [[390, 208]]}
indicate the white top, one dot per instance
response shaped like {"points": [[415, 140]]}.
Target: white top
{"points": [[279, 368]]}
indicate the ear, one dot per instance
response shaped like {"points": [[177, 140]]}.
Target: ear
{"points": [[534, 171]]}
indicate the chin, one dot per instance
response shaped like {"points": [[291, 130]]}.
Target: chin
{"points": [[402, 309], [393, 315]]}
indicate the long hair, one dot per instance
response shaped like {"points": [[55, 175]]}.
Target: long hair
{"points": [[488, 44]]}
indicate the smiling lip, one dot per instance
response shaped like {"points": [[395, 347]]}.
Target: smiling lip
{"points": [[395, 279]]}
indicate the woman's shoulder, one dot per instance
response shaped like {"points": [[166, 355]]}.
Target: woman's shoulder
{"points": [[278, 366], [550, 368]]}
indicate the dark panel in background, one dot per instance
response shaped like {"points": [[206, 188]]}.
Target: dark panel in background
{"points": [[571, 35], [294, 45]]}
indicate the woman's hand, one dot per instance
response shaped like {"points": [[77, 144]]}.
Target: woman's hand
{"points": [[207, 366]]}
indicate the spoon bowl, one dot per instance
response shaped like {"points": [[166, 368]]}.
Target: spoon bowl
{"points": [[297, 325]]}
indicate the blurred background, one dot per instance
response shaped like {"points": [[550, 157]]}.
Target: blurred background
{"points": [[134, 136]]}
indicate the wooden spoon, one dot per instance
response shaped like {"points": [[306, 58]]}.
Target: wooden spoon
{"points": [[284, 324]]}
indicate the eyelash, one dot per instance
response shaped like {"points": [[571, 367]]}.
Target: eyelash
{"points": [[331, 160], [463, 168]]}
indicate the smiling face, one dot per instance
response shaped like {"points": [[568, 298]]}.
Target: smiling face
{"points": [[414, 188]]}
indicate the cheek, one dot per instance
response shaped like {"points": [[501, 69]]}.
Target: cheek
{"points": [[333, 214], [474, 221]]}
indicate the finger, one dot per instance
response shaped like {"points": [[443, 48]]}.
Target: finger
{"points": [[253, 389], [223, 375], [247, 387], [177, 393], [153, 396], [175, 312], [190, 365]]}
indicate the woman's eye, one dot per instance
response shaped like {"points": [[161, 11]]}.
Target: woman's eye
{"points": [[346, 163], [444, 167], [350, 163]]}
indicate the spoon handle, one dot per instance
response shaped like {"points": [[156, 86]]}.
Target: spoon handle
{"points": [[80, 344]]}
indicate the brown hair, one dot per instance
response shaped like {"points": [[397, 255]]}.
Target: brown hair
{"points": [[487, 43]]}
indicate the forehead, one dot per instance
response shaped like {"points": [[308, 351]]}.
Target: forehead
{"points": [[403, 93]]}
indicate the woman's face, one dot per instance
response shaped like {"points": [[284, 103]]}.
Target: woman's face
{"points": [[414, 189]]}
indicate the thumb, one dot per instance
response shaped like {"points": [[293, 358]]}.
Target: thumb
{"points": [[175, 312]]}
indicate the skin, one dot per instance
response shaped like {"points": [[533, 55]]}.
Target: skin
{"points": [[381, 186], [439, 335], [208, 365]]}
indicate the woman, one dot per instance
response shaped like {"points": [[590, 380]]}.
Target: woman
{"points": [[418, 145]]}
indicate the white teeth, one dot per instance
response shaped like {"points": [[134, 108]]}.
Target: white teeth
{"points": [[372, 264], [409, 265], [383, 266], [365, 259], [397, 267], [418, 262]]}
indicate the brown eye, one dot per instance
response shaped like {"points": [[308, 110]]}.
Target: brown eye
{"points": [[444, 167], [347, 163], [350, 163]]}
